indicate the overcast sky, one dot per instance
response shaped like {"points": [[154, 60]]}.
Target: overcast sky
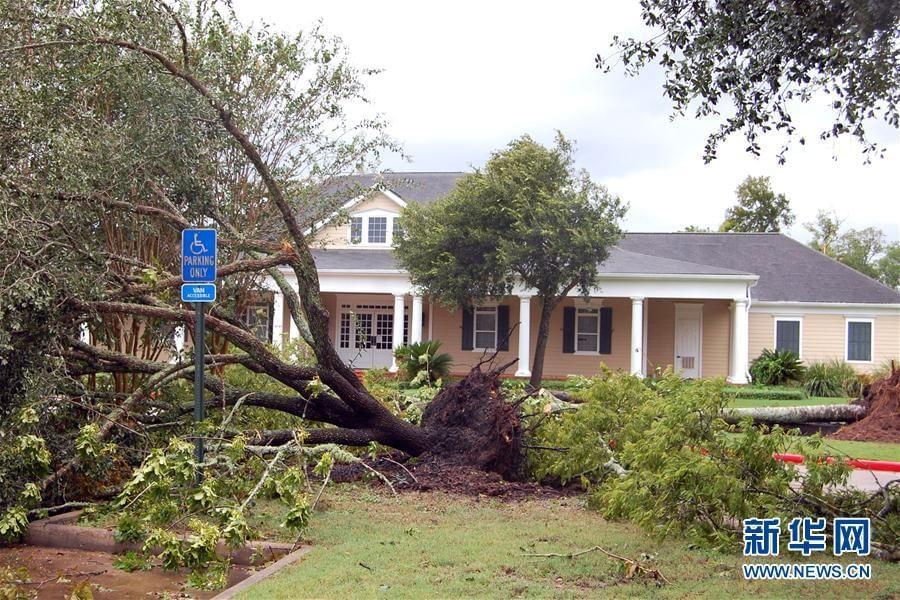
{"points": [[464, 79]]}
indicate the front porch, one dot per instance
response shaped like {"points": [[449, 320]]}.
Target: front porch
{"points": [[697, 325]]}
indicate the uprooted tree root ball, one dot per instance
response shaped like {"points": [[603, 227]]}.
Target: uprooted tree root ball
{"points": [[471, 424], [881, 400]]}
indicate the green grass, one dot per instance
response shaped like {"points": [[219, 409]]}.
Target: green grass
{"points": [[867, 450], [759, 402], [369, 545]]}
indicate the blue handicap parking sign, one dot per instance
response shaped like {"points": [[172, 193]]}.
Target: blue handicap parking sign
{"points": [[198, 255], [198, 292]]}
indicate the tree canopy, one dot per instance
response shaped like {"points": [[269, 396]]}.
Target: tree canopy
{"points": [[758, 208], [528, 217], [750, 63], [866, 250]]}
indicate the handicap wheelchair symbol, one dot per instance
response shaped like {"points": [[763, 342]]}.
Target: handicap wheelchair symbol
{"points": [[197, 247]]}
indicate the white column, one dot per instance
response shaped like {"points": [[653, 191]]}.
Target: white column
{"points": [[278, 319], [740, 341], [524, 369], [415, 324], [294, 330], [399, 305], [637, 336], [85, 335]]}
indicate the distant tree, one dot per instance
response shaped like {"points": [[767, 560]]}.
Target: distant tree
{"points": [[860, 249], [758, 208], [697, 229], [757, 58], [865, 250], [826, 230], [889, 266], [527, 217]]}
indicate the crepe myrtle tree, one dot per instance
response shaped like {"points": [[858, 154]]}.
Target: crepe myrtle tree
{"points": [[529, 218], [150, 117], [750, 63]]}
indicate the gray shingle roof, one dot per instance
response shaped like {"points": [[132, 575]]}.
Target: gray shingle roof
{"points": [[788, 270], [413, 186], [354, 258]]}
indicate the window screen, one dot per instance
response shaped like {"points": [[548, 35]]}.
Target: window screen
{"points": [[859, 340], [587, 334], [787, 336], [485, 328]]}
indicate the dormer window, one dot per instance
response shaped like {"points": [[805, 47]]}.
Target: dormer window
{"points": [[376, 229], [356, 230]]}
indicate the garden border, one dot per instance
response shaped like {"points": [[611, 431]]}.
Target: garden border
{"points": [[60, 532]]}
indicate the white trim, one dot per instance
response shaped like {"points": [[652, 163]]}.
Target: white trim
{"points": [[689, 307], [829, 308], [679, 276], [871, 322], [786, 318]]}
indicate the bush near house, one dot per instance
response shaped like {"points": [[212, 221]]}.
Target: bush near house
{"points": [[831, 379], [421, 364], [766, 393], [776, 367]]}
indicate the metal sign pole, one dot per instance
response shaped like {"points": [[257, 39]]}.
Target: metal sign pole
{"points": [[199, 367]]}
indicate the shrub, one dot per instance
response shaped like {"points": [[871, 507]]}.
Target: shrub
{"points": [[422, 365], [664, 459], [831, 379], [776, 367]]}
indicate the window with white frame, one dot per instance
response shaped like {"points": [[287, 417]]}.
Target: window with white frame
{"points": [[356, 230], [859, 340], [587, 330], [787, 335], [485, 329], [377, 230]]}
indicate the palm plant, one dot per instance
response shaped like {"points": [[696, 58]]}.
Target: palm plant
{"points": [[421, 363], [776, 367]]}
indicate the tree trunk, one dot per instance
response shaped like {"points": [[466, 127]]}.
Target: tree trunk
{"points": [[540, 347], [789, 415]]}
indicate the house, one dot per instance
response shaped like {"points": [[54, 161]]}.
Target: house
{"points": [[706, 303]]}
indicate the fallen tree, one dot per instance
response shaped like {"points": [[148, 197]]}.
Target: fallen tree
{"points": [[790, 415], [212, 123]]}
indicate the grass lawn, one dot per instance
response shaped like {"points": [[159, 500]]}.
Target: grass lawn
{"points": [[758, 402], [370, 545], [869, 450]]}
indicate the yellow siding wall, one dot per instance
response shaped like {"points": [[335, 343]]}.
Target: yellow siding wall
{"points": [[716, 335], [824, 337], [338, 236]]}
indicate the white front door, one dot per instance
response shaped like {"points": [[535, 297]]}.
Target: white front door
{"points": [[688, 328], [366, 335]]}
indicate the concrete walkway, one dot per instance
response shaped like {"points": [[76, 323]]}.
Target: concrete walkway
{"points": [[868, 481]]}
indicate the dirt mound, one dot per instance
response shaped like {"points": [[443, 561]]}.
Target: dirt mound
{"points": [[474, 426], [434, 475], [882, 421]]}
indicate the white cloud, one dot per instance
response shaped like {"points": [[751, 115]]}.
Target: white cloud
{"points": [[462, 79]]}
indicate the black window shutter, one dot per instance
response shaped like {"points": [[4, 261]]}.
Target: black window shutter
{"points": [[468, 328], [606, 330], [502, 327], [569, 330]]}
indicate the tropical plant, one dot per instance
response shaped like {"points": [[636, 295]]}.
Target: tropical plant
{"points": [[776, 367], [829, 379], [422, 365]]}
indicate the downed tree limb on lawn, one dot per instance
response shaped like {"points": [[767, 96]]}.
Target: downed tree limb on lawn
{"points": [[786, 415]]}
